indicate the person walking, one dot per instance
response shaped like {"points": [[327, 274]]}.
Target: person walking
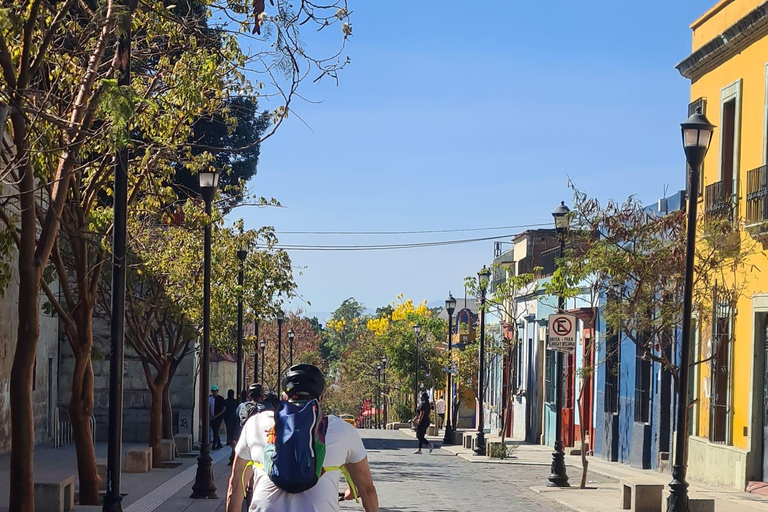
{"points": [[304, 385], [231, 421], [217, 416], [422, 423], [440, 411]]}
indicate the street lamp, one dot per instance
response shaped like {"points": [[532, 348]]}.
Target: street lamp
{"points": [[378, 395], [291, 336], [280, 316], [255, 351], [384, 383], [242, 253], [263, 345], [417, 331], [450, 307], [482, 281], [204, 486], [558, 476], [697, 135]]}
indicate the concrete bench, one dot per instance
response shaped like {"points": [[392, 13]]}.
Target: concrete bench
{"points": [[167, 450], [183, 443], [55, 495], [138, 460], [469, 440], [398, 426], [432, 431], [701, 505], [639, 496], [101, 470]]}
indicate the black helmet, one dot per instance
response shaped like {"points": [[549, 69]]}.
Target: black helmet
{"points": [[255, 390], [304, 381]]}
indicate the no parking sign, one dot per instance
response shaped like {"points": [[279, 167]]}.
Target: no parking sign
{"points": [[562, 333]]}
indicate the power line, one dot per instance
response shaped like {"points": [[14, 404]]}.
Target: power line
{"points": [[386, 247], [420, 232]]}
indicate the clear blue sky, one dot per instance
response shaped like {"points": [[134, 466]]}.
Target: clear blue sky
{"points": [[459, 115]]}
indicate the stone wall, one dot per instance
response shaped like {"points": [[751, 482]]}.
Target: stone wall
{"points": [[136, 398]]}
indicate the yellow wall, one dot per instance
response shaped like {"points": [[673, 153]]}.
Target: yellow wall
{"points": [[750, 67]]}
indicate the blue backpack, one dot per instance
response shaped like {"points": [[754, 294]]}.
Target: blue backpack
{"points": [[295, 448]]}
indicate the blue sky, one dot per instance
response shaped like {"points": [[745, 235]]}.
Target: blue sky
{"points": [[458, 115]]}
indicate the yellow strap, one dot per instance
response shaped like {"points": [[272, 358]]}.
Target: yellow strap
{"points": [[242, 477], [343, 470]]}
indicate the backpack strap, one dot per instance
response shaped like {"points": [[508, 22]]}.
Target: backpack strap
{"points": [[344, 472], [242, 477]]}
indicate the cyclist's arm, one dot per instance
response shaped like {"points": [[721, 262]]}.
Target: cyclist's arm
{"points": [[361, 476], [235, 492]]}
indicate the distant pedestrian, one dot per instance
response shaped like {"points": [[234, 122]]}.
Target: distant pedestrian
{"points": [[440, 411], [230, 417], [219, 408], [422, 423]]}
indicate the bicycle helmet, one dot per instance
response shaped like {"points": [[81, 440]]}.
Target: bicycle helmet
{"points": [[255, 390], [304, 381]]}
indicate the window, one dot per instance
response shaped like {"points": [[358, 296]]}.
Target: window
{"points": [[700, 105], [765, 126], [720, 375], [642, 386], [612, 375], [729, 144]]}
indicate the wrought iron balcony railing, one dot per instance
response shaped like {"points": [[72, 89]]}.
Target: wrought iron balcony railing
{"points": [[720, 197], [757, 195]]}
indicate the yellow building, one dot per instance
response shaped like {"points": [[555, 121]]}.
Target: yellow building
{"points": [[728, 70]]}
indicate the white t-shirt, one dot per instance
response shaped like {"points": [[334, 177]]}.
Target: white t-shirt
{"points": [[440, 406], [343, 446]]}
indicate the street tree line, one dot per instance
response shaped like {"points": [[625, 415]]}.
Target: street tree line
{"points": [[191, 104]]}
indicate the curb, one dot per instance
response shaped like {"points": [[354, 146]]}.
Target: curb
{"points": [[558, 501]]}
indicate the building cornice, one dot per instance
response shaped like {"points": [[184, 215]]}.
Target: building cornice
{"points": [[732, 41]]}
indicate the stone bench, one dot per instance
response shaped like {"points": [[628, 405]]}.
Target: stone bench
{"points": [[138, 460], [701, 505], [101, 470], [183, 443], [639, 496], [398, 426], [432, 430], [469, 440], [55, 495], [167, 450]]}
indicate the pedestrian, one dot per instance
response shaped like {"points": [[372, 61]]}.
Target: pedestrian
{"points": [[440, 410], [304, 385], [231, 420], [217, 416], [422, 423]]}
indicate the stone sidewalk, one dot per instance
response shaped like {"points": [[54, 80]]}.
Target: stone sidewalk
{"points": [[602, 494]]}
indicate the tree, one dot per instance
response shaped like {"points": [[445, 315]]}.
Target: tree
{"points": [[342, 328]]}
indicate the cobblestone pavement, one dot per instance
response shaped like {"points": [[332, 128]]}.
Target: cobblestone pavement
{"points": [[443, 482]]}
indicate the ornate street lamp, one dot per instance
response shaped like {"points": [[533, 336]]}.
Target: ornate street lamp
{"points": [[697, 135], [280, 316], [483, 277], [291, 336], [378, 395], [558, 476], [263, 345], [384, 383], [204, 486], [450, 307], [255, 351], [417, 331], [242, 253]]}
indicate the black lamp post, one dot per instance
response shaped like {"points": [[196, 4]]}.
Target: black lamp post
{"points": [[558, 476], [280, 317], [417, 331], [263, 345], [697, 135], [204, 486], [255, 351], [384, 393], [241, 255], [482, 281], [450, 307], [291, 336], [378, 395]]}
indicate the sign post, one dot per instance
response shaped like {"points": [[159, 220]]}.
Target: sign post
{"points": [[562, 333]]}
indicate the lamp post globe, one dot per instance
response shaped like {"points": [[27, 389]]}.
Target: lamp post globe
{"points": [[697, 134], [291, 336], [450, 307], [204, 486]]}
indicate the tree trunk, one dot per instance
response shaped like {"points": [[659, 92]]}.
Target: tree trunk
{"points": [[80, 410], [167, 409], [156, 424], [584, 461], [22, 497]]}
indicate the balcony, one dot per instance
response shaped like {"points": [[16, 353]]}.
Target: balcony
{"points": [[720, 198], [757, 202]]}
